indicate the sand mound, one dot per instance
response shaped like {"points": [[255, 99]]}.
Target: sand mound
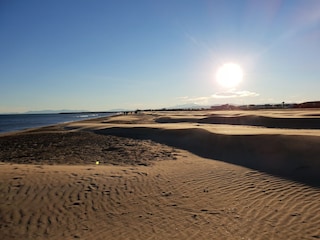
{"points": [[252, 120], [80, 147], [295, 157]]}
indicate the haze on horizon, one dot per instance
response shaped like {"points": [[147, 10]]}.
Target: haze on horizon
{"points": [[101, 55]]}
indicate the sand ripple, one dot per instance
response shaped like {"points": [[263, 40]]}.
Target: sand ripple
{"points": [[186, 199]]}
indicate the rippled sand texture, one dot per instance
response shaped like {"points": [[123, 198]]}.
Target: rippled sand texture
{"points": [[161, 180]]}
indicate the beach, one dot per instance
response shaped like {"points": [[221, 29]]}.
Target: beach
{"points": [[165, 175]]}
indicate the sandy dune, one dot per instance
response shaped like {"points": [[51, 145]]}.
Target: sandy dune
{"points": [[182, 178]]}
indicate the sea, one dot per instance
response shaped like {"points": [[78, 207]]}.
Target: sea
{"points": [[17, 122]]}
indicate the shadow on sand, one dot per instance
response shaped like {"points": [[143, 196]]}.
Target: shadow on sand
{"points": [[252, 120], [292, 157]]}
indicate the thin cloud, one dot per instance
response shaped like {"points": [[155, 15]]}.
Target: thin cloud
{"points": [[220, 95], [198, 99], [183, 98], [235, 94]]}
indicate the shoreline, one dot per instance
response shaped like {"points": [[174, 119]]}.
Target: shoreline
{"points": [[42, 125]]}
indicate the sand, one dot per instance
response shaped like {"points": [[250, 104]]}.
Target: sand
{"points": [[164, 175]]}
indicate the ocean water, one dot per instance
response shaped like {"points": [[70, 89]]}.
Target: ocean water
{"points": [[16, 122]]}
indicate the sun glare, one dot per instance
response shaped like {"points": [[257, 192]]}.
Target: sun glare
{"points": [[229, 75]]}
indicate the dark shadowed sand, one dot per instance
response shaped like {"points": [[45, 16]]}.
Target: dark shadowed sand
{"points": [[165, 175]]}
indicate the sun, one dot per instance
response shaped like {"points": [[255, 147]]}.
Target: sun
{"points": [[229, 75]]}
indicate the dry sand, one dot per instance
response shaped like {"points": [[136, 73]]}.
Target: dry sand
{"points": [[165, 175]]}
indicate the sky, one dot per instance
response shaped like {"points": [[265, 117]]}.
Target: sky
{"points": [[123, 54]]}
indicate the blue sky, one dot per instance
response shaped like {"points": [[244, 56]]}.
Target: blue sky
{"points": [[102, 55]]}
